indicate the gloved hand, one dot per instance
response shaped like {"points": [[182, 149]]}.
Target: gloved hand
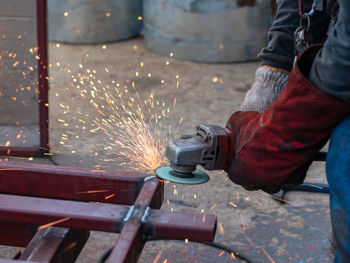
{"points": [[277, 146], [268, 84]]}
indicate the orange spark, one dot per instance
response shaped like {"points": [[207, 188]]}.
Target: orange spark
{"points": [[213, 206], [157, 257], [221, 228], [233, 204], [109, 196], [54, 223], [92, 192], [70, 246]]}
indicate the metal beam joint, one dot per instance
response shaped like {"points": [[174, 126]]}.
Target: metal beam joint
{"points": [[137, 213]]}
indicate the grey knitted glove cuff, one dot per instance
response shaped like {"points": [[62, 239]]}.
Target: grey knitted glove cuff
{"points": [[267, 86]]}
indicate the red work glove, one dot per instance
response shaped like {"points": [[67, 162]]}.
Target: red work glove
{"points": [[277, 146]]}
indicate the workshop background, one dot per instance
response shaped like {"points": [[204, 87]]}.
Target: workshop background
{"points": [[173, 65]]}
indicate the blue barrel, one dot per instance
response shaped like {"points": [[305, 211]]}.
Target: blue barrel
{"points": [[93, 21], [207, 30]]}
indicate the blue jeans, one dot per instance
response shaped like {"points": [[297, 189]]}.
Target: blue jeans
{"points": [[338, 175]]}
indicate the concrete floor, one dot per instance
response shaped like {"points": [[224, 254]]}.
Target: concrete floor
{"points": [[252, 223]]}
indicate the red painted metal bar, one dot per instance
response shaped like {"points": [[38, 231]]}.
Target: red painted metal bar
{"points": [[181, 225], [105, 217], [55, 245], [151, 194], [69, 183], [41, 7], [20, 151], [131, 241], [129, 245], [18, 235], [135, 222], [71, 214]]}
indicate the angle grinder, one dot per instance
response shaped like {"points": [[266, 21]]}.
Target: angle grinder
{"points": [[210, 147]]}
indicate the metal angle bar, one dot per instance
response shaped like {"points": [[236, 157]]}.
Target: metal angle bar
{"points": [[71, 214], [70, 183], [55, 245]]}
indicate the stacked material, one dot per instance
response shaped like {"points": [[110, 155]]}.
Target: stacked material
{"points": [[207, 30], [92, 22]]}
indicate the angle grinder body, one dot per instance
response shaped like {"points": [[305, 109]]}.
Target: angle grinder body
{"points": [[210, 147]]}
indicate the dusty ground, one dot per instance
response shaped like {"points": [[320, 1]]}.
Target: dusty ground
{"points": [[250, 222]]}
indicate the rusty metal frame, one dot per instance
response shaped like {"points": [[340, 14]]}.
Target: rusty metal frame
{"points": [[43, 147], [118, 202]]}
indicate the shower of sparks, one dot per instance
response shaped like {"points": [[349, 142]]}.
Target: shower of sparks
{"points": [[143, 150], [139, 145], [20, 65], [134, 129]]}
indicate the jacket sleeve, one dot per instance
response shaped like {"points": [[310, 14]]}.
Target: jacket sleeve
{"points": [[277, 146]]}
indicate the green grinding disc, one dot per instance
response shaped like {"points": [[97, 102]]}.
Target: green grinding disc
{"points": [[167, 173]]}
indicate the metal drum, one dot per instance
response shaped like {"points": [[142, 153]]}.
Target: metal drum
{"points": [[92, 22], [207, 30]]}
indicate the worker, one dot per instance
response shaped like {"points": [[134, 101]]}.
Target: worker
{"points": [[286, 118]]}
